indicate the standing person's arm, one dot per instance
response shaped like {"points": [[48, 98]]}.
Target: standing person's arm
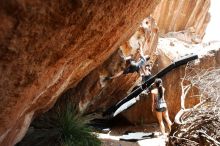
{"points": [[152, 106]]}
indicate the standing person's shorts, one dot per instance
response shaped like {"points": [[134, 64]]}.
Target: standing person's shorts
{"points": [[163, 109]]}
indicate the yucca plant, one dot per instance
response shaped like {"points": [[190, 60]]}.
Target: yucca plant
{"points": [[60, 127]]}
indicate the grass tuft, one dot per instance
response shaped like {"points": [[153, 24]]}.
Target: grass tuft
{"points": [[60, 127]]}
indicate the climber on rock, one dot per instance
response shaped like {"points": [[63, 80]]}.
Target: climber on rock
{"points": [[133, 66]]}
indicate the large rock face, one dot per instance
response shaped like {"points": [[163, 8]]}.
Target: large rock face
{"points": [[189, 15], [48, 46]]}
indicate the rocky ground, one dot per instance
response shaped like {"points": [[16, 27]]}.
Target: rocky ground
{"points": [[112, 137], [110, 142]]}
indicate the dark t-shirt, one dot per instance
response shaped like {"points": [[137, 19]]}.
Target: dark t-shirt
{"points": [[135, 66]]}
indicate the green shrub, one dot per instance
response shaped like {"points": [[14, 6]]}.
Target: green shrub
{"points": [[60, 127]]}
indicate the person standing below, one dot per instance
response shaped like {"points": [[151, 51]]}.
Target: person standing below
{"points": [[159, 105]]}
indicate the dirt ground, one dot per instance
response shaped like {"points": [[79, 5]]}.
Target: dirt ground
{"points": [[117, 131], [135, 128], [109, 142]]}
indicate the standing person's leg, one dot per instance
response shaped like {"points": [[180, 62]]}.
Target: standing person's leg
{"points": [[160, 120], [166, 117]]}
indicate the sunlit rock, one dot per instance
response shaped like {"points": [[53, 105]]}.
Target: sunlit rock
{"points": [[50, 46], [173, 15]]}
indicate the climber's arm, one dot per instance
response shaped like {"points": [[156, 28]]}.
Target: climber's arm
{"points": [[116, 75], [141, 49]]}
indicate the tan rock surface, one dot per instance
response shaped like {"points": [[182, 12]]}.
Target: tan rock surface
{"points": [[173, 15], [46, 46]]}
